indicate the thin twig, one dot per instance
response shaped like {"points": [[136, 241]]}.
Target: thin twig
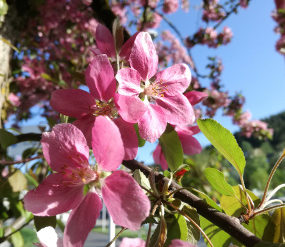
{"points": [[12, 162], [118, 234]]}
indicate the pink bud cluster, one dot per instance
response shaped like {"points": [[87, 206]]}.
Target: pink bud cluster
{"points": [[279, 16], [210, 37]]}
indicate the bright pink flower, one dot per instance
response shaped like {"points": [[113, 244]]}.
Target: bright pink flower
{"points": [[14, 99], [190, 145], [106, 44], [66, 151], [161, 93], [170, 6], [95, 112], [132, 242], [180, 243]]}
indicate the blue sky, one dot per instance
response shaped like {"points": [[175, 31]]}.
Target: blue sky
{"points": [[251, 64]]}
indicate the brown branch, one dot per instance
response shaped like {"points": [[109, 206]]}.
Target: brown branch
{"points": [[229, 224], [12, 162]]}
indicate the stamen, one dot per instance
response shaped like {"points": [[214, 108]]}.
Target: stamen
{"points": [[102, 108]]}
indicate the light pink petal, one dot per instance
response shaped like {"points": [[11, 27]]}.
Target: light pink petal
{"points": [[125, 200], [81, 220], [186, 129], [52, 197], [49, 238], [143, 57], [65, 145], [180, 243], [175, 79], [177, 110], [85, 125], [152, 124], [126, 48], [159, 158], [189, 144], [132, 242], [105, 41], [129, 82], [195, 97], [107, 144], [72, 102], [100, 78], [129, 137], [130, 108]]}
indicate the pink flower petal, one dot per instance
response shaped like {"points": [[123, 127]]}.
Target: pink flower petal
{"points": [[152, 123], [105, 41], [85, 125], [195, 97], [132, 242], [175, 79], [129, 82], [189, 144], [100, 78], [129, 137], [52, 197], [180, 243], [177, 110], [126, 48], [159, 158], [125, 200], [65, 145], [186, 129], [107, 144], [81, 221], [72, 102], [130, 108], [143, 57]]}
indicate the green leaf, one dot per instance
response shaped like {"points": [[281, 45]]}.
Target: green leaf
{"points": [[7, 138], [176, 228], [172, 148], [218, 182], [208, 200], [224, 141], [17, 239], [141, 141], [42, 222], [217, 236], [141, 179], [31, 180], [3, 7], [18, 181], [236, 205], [7, 42], [193, 233], [275, 231]]}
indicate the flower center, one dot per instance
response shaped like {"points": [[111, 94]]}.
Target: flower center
{"points": [[78, 175], [102, 108], [155, 89]]}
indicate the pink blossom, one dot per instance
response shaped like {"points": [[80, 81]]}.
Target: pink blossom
{"points": [[243, 3], [88, 108], [14, 99], [66, 151], [132, 242], [170, 6], [180, 243], [190, 145], [49, 238], [160, 94]]}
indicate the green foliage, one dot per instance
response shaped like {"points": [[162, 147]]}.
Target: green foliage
{"points": [[6, 139], [218, 182], [140, 140], [172, 148], [18, 181], [223, 140], [176, 228], [217, 236]]}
